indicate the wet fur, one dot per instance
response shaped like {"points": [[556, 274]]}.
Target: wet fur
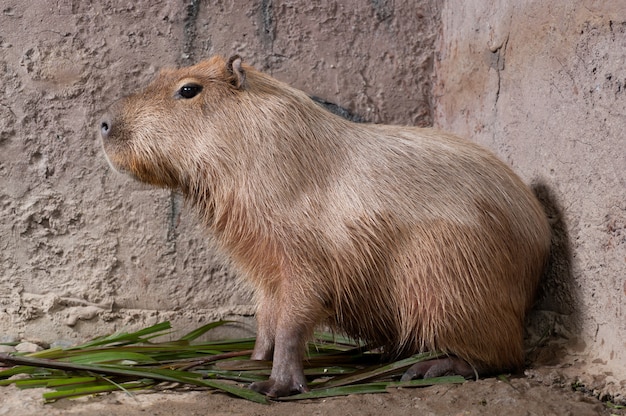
{"points": [[409, 238]]}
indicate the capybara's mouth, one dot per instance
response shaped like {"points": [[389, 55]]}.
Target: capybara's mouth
{"points": [[114, 161], [112, 151], [111, 144]]}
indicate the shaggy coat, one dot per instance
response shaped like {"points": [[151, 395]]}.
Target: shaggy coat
{"points": [[409, 238]]}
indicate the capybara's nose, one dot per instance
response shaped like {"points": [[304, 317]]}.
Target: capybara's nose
{"points": [[106, 125]]}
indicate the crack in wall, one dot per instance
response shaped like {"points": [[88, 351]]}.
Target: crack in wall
{"points": [[187, 57], [173, 219], [268, 30], [383, 9], [498, 65], [189, 33]]}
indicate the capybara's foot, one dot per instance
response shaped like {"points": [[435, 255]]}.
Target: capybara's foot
{"points": [[439, 367], [272, 388]]}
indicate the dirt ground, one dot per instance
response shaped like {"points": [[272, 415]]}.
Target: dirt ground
{"points": [[539, 392], [86, 252]]}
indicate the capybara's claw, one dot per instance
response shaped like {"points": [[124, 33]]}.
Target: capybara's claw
{"points": [[271, 388], [439, 367]]}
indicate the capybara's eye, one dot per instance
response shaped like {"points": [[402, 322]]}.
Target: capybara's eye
{"points": [[189, 90]]}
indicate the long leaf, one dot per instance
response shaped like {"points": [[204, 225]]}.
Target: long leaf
{"points": [[115, 357], [89, 390], [339, 391], [10, 372], [157, 374], [70, 381], [380, 387], [196, 333], [128, 361], [242, 392], [123, 338], [380, 371]]}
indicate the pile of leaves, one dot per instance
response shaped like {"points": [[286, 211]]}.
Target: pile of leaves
{"points": [[335, 366]]}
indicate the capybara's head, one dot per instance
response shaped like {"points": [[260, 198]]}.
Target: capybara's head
{"points": [[161, 134]]}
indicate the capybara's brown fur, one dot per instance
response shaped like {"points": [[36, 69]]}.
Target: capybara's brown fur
{"points": [[409, 238]]}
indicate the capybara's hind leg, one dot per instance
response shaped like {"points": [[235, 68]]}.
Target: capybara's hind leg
{"points": [[438, 367]]}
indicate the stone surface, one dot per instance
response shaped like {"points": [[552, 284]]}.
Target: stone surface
{"points": [[85, 251], [543, 85], [489, 397], [7, 348], [27, 347]]}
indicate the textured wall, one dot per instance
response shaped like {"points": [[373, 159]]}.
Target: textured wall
{"points": [[544, 85], [84, 250]]}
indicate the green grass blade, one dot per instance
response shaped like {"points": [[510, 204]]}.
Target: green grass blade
{"points": [[193, 335], [114, 370], [230, 345], [113, 357], [328, 371], [379, 371], [339, 391], [130, 361], [244, 365], [70, 381], [337, 340], [612, 405], [243, 392], [239, 376], [378, 387], [142, 335], [10, 372], [160, 374], [264, 367], [195, 379], [31, 383], [423, 382], [51, 353], [89, 390]]}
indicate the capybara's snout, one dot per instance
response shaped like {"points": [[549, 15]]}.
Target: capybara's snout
{"points": [[111, 122]]}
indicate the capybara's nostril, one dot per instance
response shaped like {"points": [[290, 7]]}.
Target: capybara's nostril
{"points": [[105, 127]]}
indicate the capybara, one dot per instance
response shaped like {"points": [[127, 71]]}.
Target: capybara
{"points": [[408, 238]]}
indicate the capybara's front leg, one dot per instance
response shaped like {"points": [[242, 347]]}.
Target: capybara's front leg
{"points": [[287, 375], [266, 328], [282, 335]]}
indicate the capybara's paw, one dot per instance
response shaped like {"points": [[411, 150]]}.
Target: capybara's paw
{"points": [[272, 388], [439, 367]]}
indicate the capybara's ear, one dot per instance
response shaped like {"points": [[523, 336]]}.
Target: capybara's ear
{"points": [[234, 67]]}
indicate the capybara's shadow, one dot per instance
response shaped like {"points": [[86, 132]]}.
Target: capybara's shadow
{"points": [[338, 110], [555, 317]]}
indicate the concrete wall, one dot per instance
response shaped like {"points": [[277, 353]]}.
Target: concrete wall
{"points": [[84, 251], [544, 85]]}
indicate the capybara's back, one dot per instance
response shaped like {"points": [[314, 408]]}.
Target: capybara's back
{"points": [[408, 238]]}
